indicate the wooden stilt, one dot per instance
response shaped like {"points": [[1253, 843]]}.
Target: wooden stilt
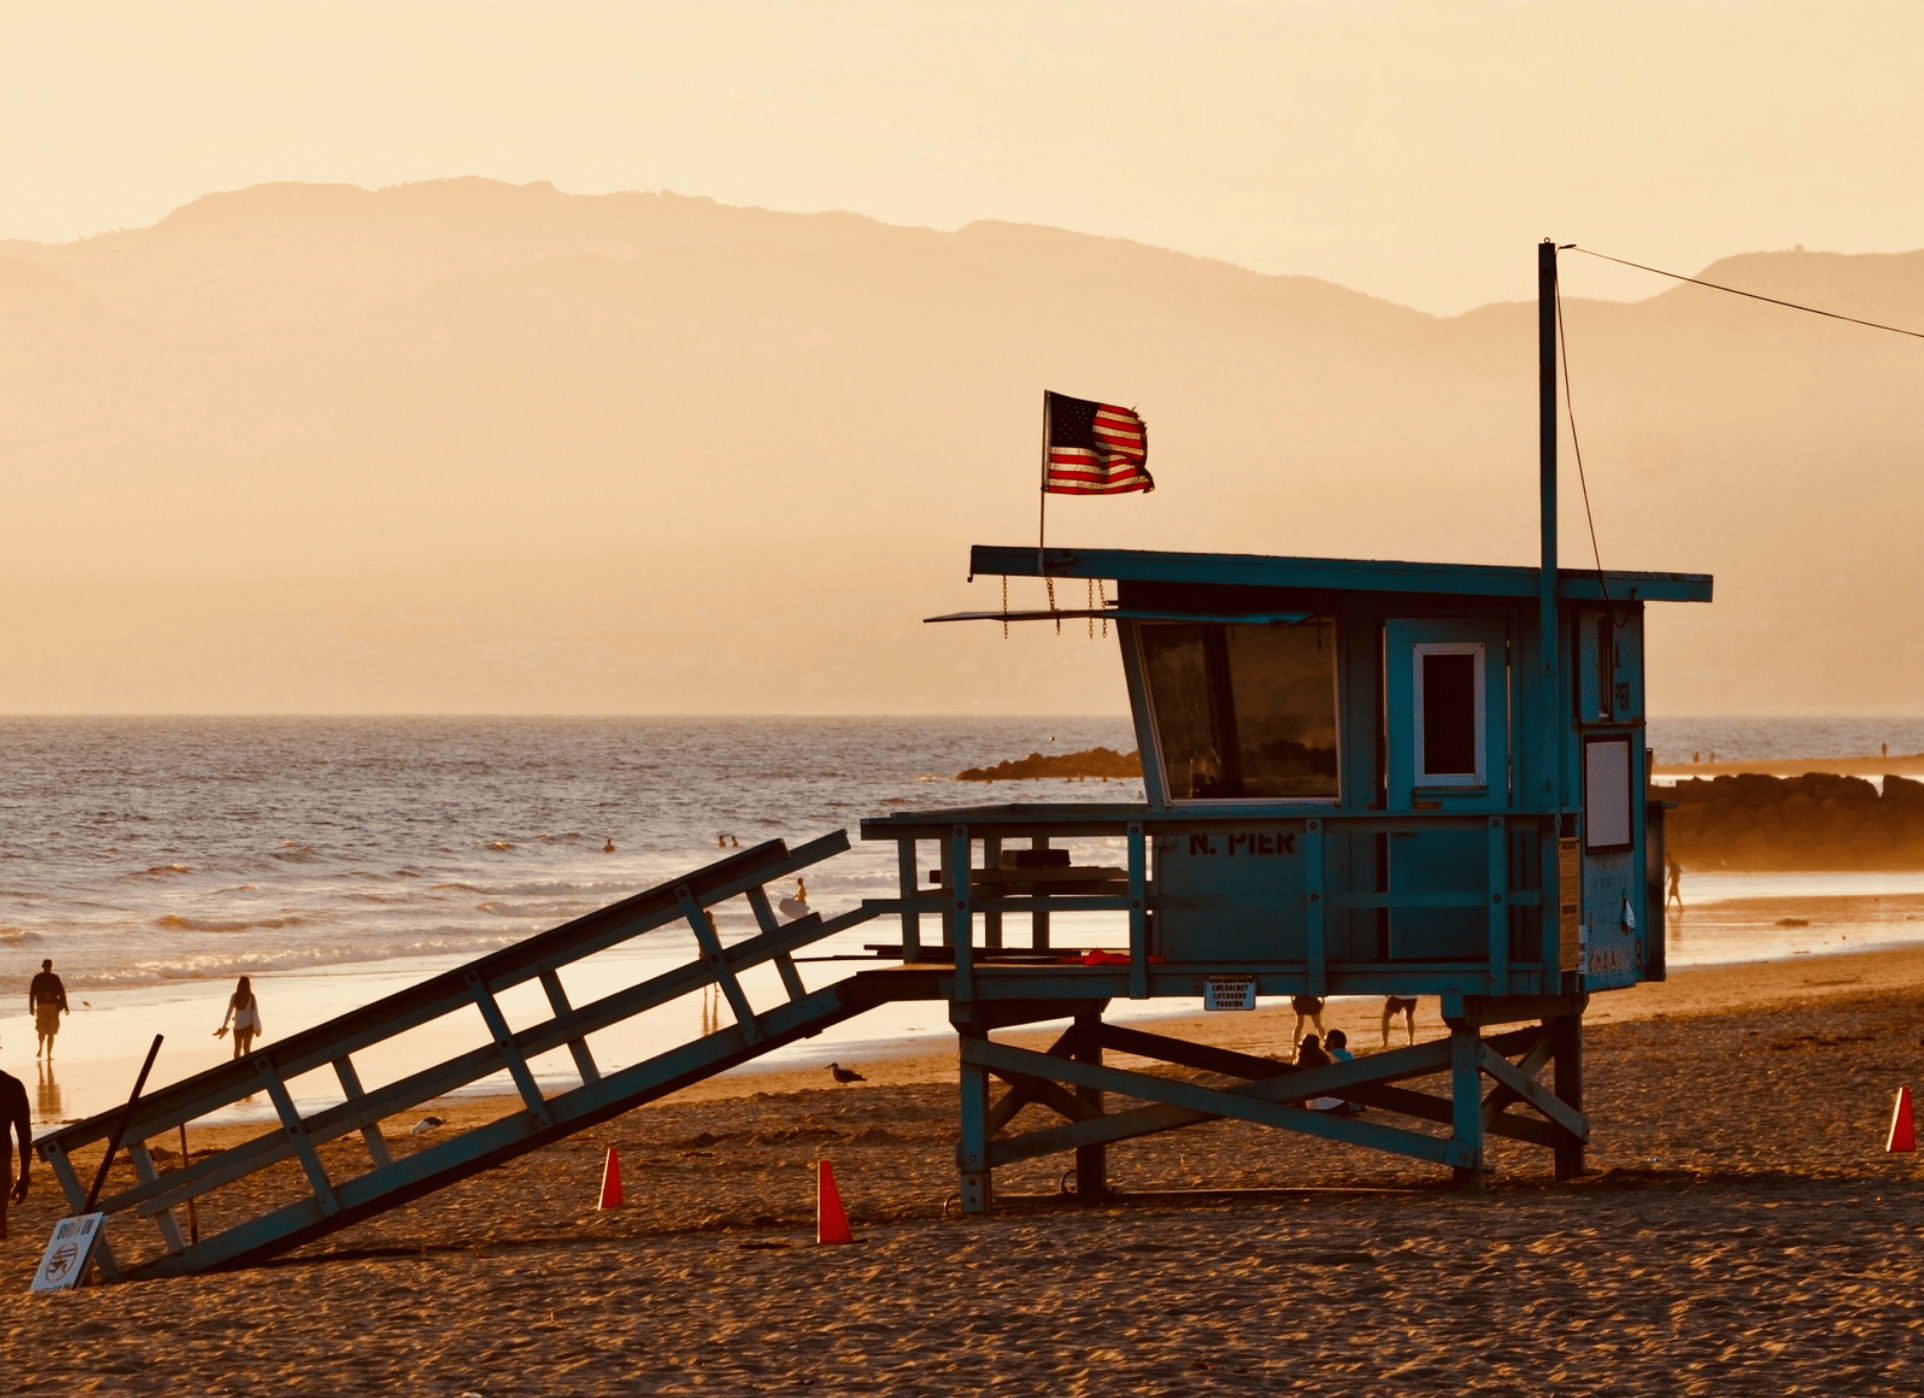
{"points": [[1092, 1161], [1566, 1032], [972, 1152], [1466, 1098]]}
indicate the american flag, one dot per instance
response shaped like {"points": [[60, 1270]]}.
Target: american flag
{"points": [[1094, 449]]}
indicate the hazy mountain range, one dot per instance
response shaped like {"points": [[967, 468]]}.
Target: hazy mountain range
{"points": [[469, 447]]}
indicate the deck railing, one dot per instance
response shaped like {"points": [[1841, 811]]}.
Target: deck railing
{"points": [[956, 903]]}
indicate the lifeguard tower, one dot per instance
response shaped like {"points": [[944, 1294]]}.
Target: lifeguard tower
{"points": [[1361, 778]]}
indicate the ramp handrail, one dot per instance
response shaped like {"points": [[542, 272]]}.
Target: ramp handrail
{"points": [[477, 984]]}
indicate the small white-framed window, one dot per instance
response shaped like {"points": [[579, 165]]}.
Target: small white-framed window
{"points": [[1449, 711]]}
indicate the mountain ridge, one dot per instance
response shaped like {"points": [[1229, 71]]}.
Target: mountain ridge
{"points": [[454, 385]]}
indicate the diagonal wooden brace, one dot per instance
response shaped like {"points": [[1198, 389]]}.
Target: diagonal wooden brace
{"points": [[1534, 1093], [1501, 1096], [1193, 1102]]}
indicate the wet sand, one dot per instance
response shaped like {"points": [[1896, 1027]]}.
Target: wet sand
{"points": [[1741, 1231]]}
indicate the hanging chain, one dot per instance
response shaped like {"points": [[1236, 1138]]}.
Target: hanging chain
{"points": [[1005, 606], [1092, 610]]}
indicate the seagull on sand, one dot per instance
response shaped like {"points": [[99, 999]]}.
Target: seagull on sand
{"points": [[845, 1076], [426, 1123]]}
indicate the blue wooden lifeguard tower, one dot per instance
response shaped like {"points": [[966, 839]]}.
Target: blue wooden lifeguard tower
{"points": [[1362, 778]]}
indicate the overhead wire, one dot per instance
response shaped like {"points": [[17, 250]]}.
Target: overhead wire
{"points": [[1563, 351], [1753, 295]]}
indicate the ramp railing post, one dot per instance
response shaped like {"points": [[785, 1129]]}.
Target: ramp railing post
{"points": [[297, 1136], [144, 1167], [371, 1133], [577, 1047], [511, 1054], [718, 963], [784, 963]]}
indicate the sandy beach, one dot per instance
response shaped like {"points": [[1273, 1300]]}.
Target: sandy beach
{"points": [[1741, 1230]]}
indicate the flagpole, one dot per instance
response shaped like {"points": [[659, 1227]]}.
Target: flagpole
{"points": [[1042, 516]]}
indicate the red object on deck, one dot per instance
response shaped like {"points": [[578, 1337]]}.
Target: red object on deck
{"points": [[611, 1182], [1903, 1137], [831, 1219]]}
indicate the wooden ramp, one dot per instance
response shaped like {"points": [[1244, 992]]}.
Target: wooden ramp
{"points": [[331, 1203]]}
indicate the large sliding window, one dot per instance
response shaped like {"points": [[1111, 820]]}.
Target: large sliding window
{"points": [[1243, 712]]}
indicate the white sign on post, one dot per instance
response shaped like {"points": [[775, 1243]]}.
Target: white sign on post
{"points": [[69, 1251], [1229, 993]]}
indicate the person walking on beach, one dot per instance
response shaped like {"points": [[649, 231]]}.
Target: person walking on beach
{"points": [[14, 1117], [46, 1002], [245, 1012], [1394, 1005], [1676, 881]]}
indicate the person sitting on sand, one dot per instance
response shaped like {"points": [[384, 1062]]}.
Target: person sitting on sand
{"points": [[1307, 1007], [1311, 1054], [1336, 1044], [245, 1012], [14, 1117], [46, 1002]]}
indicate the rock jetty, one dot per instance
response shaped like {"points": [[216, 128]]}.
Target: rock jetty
{"points": [[1816, 821], [1106, 763]]}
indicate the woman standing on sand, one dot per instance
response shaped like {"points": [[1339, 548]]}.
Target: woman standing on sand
{"points": [[245, 1012]]}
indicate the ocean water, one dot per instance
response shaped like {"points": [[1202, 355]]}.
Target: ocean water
{"points": [[1766, 739], [336, 860], [148, 850]]}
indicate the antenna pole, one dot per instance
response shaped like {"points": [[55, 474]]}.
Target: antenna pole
{"points": [[1547, 484]]}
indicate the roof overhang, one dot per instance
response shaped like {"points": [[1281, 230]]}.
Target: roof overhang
{"points": [[1331, 574], [1134, 614]]}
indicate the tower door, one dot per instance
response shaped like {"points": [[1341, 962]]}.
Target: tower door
{"points": [[1446, 707]]}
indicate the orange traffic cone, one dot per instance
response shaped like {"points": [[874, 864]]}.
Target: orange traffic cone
{"points": [[611, 1182], [831, 1219], [1903, 1137]]}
